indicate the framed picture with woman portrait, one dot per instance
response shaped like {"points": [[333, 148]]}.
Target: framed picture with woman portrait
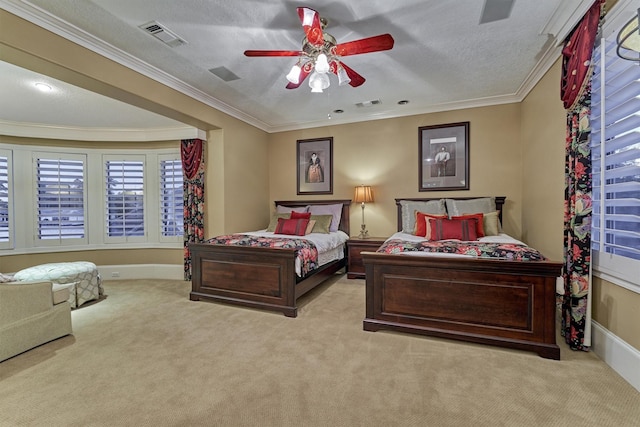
{"points": [[315, 166]]}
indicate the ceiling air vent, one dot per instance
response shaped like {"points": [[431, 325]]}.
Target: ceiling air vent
{"points": [[495, 10], [368, 103], [224, 73], [160, 32]]}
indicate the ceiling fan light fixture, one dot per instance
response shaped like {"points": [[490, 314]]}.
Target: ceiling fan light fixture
{"points": [[318, 82], [343, 77], [294, 74], [628, 39], [322, 64]]}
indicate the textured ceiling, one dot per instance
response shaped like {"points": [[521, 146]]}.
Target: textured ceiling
{"points": [[443, 57]]}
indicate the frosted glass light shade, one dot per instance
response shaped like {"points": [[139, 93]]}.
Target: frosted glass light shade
{"points": [[318, 82]]}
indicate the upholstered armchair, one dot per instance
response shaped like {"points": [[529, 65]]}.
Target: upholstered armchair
{"points": [[31, 314]]}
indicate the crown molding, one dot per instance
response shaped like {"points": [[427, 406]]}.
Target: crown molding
{"points": [[564, 18], [67, 133]]}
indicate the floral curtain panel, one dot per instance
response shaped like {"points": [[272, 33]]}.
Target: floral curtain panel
{"points": [[192, 153], [576, 97], [577, 225]]}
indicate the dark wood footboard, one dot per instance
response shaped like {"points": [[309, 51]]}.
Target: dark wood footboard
{"points": [[252, 277], [502, 303]]}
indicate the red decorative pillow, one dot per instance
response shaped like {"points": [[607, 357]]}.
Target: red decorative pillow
{"points": [[460, 229], [421, 223], [479, 217], [293, 227], [300, 215]]}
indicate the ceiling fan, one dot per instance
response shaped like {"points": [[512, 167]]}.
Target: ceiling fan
{"points": [[321, 54]]}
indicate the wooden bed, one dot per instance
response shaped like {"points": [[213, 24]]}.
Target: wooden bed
{"points": [[498, 302], [258, 277]]}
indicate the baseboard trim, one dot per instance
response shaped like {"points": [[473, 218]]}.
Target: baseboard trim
{"points": [[615, 352], [141, 271]]}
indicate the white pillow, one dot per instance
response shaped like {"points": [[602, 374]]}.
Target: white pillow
{"points": [[286, 209], [409, 208], [335, 210], [471, 206]]}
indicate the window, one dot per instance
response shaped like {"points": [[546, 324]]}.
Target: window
{"points": [[59, 196], [615, 155], [70, 198], [124, 180], [171, 205], [5, 198]]}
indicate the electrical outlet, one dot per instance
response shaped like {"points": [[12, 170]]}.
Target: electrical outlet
{"points": [[115, 274]]}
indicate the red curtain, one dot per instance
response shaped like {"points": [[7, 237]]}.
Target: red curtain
{"points": [[576, 56], [192, 153]]}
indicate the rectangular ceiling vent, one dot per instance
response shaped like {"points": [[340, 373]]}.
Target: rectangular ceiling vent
{"points": [[495, 10], [368, 103], [160, 32], [224, 73]]}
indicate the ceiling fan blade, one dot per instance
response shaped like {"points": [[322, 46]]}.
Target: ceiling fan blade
{"points": [[304, 72], [272, 53], [310, 20], [369, 44], [356, 79]]}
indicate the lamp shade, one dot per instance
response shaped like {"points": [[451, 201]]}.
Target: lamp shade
{"points": [[343, 77], [294, 74], [363, 194]]}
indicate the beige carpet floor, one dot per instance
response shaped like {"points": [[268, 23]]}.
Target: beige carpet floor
{"points": [[147, 356]]}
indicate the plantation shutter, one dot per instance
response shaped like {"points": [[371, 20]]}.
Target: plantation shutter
{"points": [[5, 216], [124, 198], [615, 141], [171, 204], [60, 197]]}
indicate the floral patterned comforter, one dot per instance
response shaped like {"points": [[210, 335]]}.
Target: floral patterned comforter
{"points": [[306, 251], [478, 249]]}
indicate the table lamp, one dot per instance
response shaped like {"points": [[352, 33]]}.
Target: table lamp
{"points": [[363, 195]]}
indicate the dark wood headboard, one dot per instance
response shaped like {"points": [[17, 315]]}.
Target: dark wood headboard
{"points": [[499, 203], [344, 218]]}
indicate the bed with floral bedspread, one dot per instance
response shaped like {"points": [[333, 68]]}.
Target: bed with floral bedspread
{"points": [[266, 272], [491, 290]]}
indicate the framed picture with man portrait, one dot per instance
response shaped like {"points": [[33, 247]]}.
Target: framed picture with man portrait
{"points": [[315, 166], [443, 157]]}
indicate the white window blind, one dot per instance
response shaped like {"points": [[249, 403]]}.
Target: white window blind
{"points": [[60, 197], [5, 212], [615, 145], [171, 204], [124, 198]]}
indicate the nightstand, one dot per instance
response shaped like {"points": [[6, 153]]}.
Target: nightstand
{"points": [[355, 245]]}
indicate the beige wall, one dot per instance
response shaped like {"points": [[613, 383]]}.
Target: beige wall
{"points": [[384, 154], [616, 309], [13, 263], [543, 147]]}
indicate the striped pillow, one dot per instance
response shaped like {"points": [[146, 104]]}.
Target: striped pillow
{"points": [[460, 229], [294, 227]]}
